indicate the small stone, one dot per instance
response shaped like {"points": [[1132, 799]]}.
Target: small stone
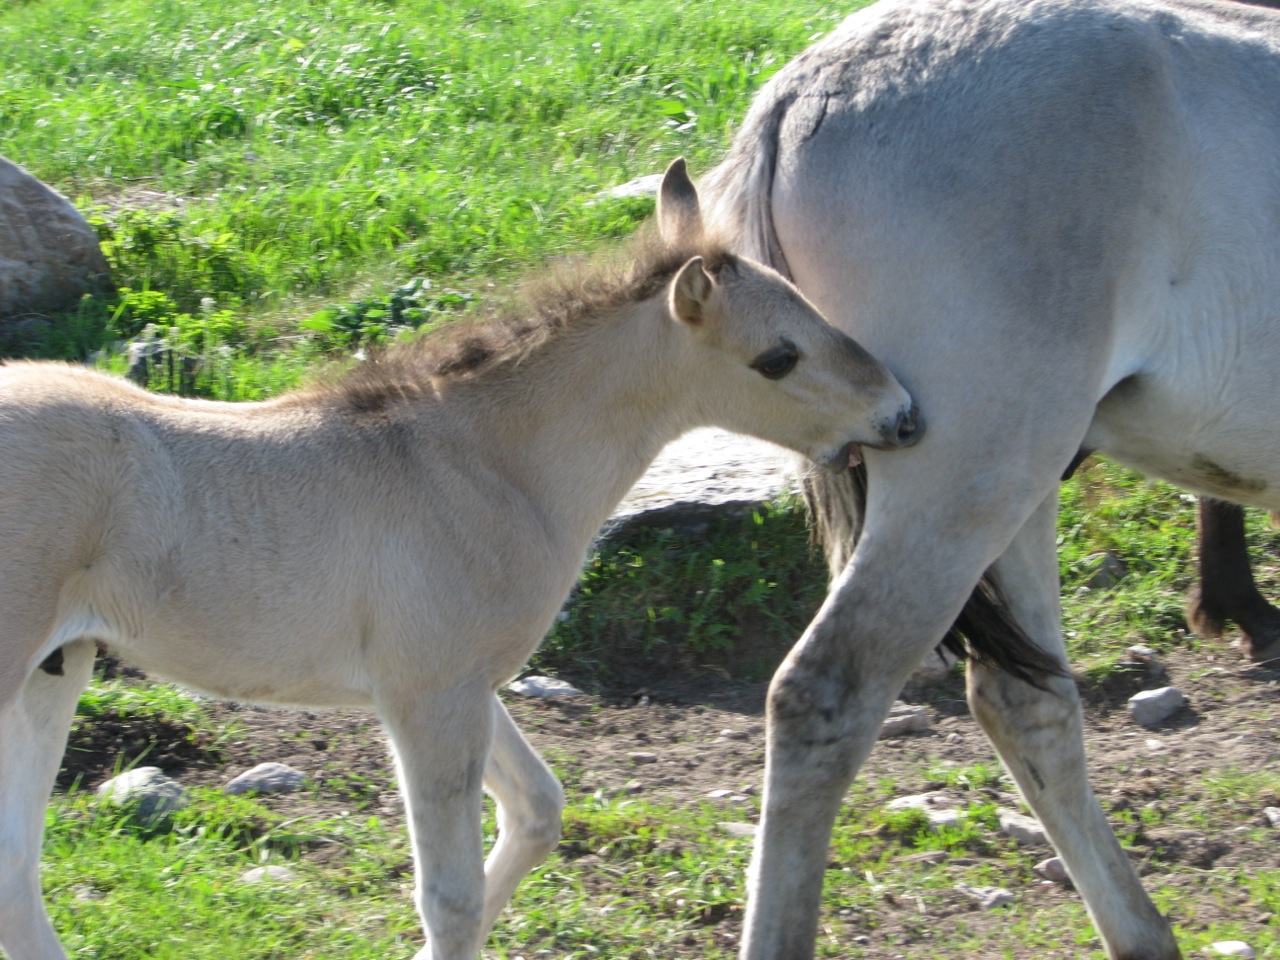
{"points": [[640, 756], [734, 734], [646, 186], [1273, 816], [274, 873], [544, 687], [1107, 571], [916, 801], [1152, 707], [737, 829], [1230, 948], [719, 794], [155, 794], [1052, 869], [938, 665], [944, 819], [904, 718], [267, 778], [988, 897], [1025, 830]]}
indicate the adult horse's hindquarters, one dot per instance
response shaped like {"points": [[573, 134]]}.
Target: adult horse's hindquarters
{"points": [[1058, 221]]}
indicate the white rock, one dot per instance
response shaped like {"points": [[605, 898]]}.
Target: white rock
{"points": [[988, 897], [154, 793], [1152, 707], [267, 778], [545, 687], [1273, 816], [646, 186], [1230, 948], [916, 801], [1052, 869], [904, 718], [944, 818], [940, 817], [938, 665], [259, 874], [1026, 830], [737, 829]]}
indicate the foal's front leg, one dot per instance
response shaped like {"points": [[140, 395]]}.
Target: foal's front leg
{"points": [[441, 740], [1038, 734]]}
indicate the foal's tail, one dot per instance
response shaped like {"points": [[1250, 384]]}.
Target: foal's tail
{"points": [[736, 197]]}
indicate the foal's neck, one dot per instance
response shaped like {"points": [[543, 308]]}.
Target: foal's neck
{"points": [[575, 424]]}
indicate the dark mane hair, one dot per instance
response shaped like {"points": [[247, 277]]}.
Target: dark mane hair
{"points": [[561, 298]]}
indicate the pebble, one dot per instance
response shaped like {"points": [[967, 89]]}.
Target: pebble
{"points": [[267, 778], [904, 718], [737, 829], [1108, 570], [1052, 869], [259, 874], [988, 897], [938, 665], [155, 794], [639, 756], [1230, 948], [1024, 829], [545, 687], [1152, 707], [646, 186]]}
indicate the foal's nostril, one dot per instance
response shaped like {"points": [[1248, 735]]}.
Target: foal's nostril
{"points": [[908, 429]]}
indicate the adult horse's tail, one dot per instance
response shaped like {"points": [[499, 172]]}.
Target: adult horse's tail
{"points": [[737, 196]]}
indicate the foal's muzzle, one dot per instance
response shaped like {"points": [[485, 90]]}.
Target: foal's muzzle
{"points": [[904, 431]]}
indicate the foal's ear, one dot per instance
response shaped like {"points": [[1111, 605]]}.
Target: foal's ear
{"points": [[679, 216], [690, 292]]}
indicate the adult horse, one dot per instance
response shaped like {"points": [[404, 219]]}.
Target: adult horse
{"points": [[400, 538], [1058, 221]]}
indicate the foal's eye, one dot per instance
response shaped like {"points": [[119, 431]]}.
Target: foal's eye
{"points": [[776, 363]]}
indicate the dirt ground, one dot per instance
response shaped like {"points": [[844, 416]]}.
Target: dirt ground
{"points": [[693, 738]]}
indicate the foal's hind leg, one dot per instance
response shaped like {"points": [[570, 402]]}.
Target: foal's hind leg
{"points": [[1226, 590], [33, 733], [1038, 734], [441, 740], [530, 801]]}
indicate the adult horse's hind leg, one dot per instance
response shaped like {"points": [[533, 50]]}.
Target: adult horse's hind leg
{"points": [[1226, 590], [1039, 736], [33, 733], [530, 802], [441, 739]]}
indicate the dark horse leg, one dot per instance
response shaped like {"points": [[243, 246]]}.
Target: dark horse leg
{"points": [[1226, 590]]}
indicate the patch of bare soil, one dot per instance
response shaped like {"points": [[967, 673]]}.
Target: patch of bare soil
{"points": [[687, 738]]}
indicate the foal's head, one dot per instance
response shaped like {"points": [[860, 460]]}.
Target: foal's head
{"points": [[770, 364]]}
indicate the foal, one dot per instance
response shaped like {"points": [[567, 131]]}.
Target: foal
{"points": [[400, 539]]}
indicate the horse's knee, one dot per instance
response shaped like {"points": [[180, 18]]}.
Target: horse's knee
{"points": [[1003, 704], [542, 823]]}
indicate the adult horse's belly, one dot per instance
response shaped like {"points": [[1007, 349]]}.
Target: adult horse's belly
{"points": [[1221, 439]]}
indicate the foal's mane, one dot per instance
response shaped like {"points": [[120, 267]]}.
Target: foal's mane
{"points": [[564, 297]]}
